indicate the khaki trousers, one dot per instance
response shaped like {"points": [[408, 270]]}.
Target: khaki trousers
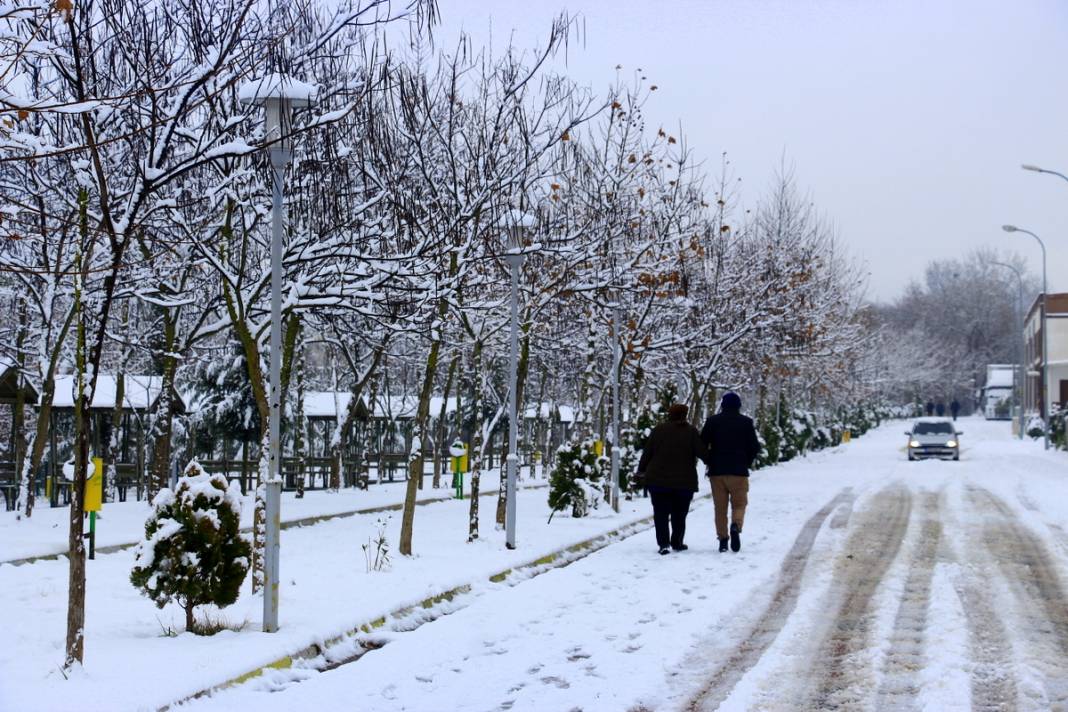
{"points": [[735, 490]]}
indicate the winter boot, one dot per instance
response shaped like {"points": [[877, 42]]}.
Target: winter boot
{"points": [[680, 547], [736, 537], [664, 551], [723, 544]]}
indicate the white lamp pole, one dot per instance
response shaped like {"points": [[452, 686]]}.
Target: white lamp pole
{"points": [[519, 225], [278, 95], [615, 400], [1045, 333]]}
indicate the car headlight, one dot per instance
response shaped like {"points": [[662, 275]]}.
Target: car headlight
{"points": [[951, 443], [914, 443]]}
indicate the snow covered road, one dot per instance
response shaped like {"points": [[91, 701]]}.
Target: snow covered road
{"points": [[864, 582]]}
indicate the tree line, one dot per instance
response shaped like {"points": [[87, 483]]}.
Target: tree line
{"points": [[135, 230]]}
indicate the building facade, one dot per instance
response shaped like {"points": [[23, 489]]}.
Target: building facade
{"points": [[1041, 398]]}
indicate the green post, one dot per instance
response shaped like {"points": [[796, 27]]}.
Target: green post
{"points": [[92, 535], [459, 485]]}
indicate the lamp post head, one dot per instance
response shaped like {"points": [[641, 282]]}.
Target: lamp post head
{"points": [[278, 94], [1031, 167], [517, 226], [1009, 228]]}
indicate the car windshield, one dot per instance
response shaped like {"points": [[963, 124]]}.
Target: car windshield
{"points": [[933, 429]]}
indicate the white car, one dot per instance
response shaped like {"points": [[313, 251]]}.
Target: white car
{"points": [[934, 437]]}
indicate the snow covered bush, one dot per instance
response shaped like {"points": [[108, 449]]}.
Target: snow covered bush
{"points": [[1057, 428], [193, 551], [576, 479], [632, 442]]}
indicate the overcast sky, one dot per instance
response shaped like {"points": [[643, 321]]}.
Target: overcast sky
{"points": [[906, 120]]}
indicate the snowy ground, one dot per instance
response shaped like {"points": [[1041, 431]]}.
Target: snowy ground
{"points": [[864, 582], [122, 523]]}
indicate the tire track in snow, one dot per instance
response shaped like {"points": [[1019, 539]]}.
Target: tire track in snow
{"points": [[1042, 597], [993, 683], [906, 657], [867, 555], [770, 623]]}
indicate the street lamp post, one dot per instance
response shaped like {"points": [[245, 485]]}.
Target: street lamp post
{"points": [[278, 95], [517, 228], [1045, 333], [1018, 372], [615, 401], [1036, 169]]}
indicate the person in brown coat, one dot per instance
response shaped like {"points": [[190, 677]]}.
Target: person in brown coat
{"points": [[668, 467]]}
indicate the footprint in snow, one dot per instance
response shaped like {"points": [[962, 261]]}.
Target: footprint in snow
{"points": [[577, 654], [558, 681]]}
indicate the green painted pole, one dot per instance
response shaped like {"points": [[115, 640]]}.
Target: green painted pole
{"points": [[92, 535]]}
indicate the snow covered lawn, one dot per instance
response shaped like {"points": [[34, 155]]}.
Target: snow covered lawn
{"points": [[131, 662], [123, 523]]}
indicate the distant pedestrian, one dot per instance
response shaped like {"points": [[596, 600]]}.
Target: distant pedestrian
{"points": [[732, 446], [930, 408], [940, 409], [669, 471], [954, 408]]}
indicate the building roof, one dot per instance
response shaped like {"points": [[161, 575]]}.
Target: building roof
{"points": [[140, 392], [10, 383], [1058, 305], [999, 377], [326, 404]]}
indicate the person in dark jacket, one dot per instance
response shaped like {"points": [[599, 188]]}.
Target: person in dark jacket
{"points": [[732, 445], [930, 408], [940, 409], [668, 468], [954, 408]]}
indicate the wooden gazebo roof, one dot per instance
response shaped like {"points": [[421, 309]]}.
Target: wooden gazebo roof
{"points": [[10, 383]]}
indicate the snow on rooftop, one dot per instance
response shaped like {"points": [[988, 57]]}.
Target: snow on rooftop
{"points": [[326, 404], [139, 394], [999, 378]]}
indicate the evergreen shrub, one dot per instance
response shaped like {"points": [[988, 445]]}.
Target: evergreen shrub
{"points": [[193, 552]]}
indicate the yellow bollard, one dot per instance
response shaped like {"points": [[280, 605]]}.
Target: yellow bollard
{"points": [[846, 436]]}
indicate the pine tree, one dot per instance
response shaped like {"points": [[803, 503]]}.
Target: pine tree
{"points": [[193, 551]]}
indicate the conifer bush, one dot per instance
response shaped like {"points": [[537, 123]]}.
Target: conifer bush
{"points": [[193, 552], [576, 478]]}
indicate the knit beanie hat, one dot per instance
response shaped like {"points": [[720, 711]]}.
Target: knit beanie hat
{"points": [[730, 401], [677, 412]]}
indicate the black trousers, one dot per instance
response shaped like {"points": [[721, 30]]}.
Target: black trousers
{"points": [[670, 505]]}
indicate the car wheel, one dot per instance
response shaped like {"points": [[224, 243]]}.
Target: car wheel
{"points": [[911, 458], [956, 458]]}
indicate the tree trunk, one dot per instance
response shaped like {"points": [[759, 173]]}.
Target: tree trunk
{"points": [[475, 459], [439, 443], [110, 444], [18, 412], [190, 621], [417, 452], [163, 422], [300, 426], [75, 643]]}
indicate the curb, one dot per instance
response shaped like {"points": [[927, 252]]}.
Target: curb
{"points": [[302, 522], [512, 576]]}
